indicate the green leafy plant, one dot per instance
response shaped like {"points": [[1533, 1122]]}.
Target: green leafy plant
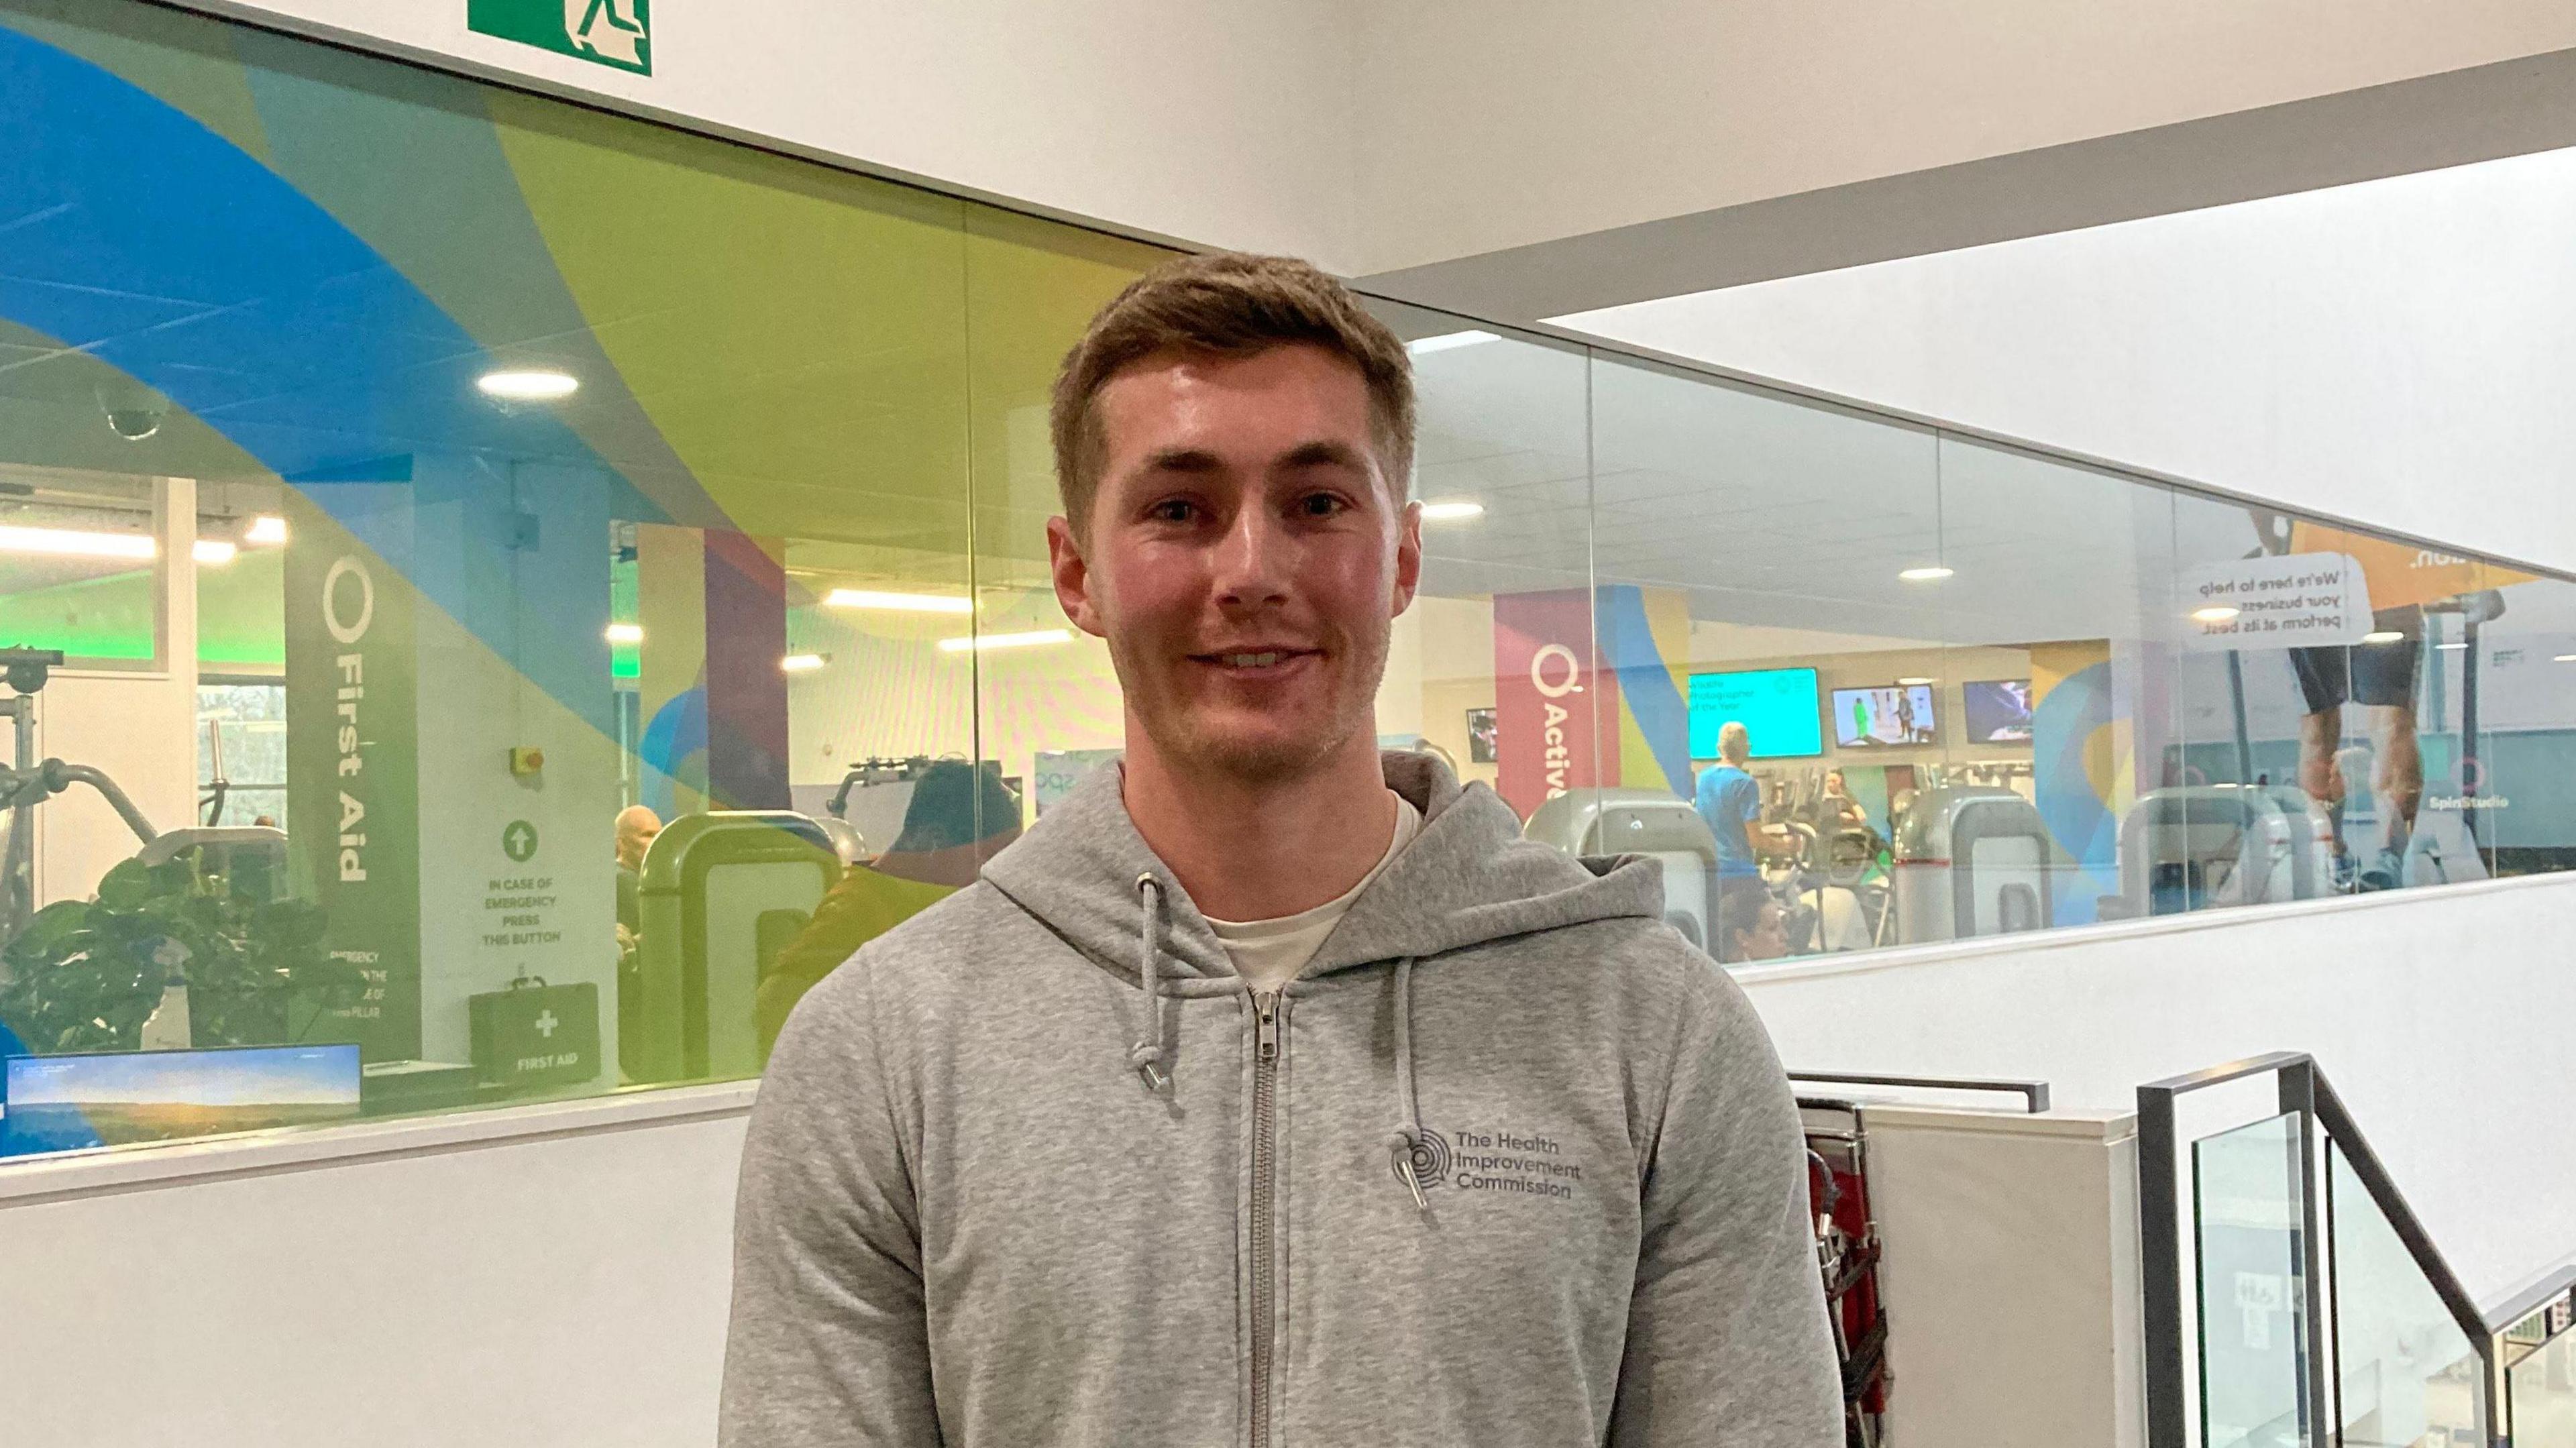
{"points": [[86, 975]]}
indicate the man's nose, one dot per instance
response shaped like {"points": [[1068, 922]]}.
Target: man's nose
{"points": [[1253, 560]]}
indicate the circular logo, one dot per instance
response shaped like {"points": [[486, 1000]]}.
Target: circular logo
{"points": [[346, 632], [1565, 657], [2469, 775], [519, 840], [1429, 1159]]}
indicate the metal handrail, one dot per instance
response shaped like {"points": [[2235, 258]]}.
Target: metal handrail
{"points": [[2304, 1091], [2034, 1092], [2511, 1309]]}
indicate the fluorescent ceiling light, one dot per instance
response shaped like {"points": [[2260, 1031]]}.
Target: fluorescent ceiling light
{"points": [[981, 642], [2450, 648], [1915, 683], [898, 602], [803, 663], [2215, 613], [266, 528], [626, 633], [1448, 341], [531, 385], [75, 543], [214, 552], [1928, 573], [2564, 659], [2384, 636], [1451, 511]]}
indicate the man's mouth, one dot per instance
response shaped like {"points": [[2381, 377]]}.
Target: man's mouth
{"points": [[1254, 660]]}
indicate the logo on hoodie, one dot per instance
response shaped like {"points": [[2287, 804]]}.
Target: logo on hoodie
{"points": [[1527, 1163], [1429, 1159]]}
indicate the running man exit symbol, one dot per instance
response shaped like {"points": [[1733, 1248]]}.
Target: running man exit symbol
{"points": [[519, 840], [616, 33]]}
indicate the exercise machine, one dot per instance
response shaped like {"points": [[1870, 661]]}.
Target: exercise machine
{"points": [[721, 895], [27, 782], [1971, 860], [1649, 822], [2193, 847]]}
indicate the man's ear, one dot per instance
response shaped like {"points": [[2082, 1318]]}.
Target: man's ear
{"points": [[1072, 578], [1408, 557]]}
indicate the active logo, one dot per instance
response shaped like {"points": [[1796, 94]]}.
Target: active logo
{"points": [[617, 33]]}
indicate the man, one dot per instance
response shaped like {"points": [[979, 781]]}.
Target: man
{"points": [[1270, 1091], [1729, 798], [636, 827]]}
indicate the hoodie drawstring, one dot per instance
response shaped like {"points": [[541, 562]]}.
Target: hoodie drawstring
{"points": [[1404, 1142], [1147, 1054]]}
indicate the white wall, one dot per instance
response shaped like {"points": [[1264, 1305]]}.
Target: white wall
{"points": [[464, 1284], [2399, 352], [2440, 1016], [1228, 124]]}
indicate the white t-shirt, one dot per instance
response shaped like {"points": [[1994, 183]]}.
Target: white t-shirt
{"points": [[1269, 953]]}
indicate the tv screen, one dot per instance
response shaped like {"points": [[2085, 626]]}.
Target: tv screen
{"points": [[110, 1098], [1998, 711], [1883, 718], [1777, 708]]}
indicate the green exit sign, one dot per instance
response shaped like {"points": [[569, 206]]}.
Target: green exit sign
{"points": [[616, 33]]}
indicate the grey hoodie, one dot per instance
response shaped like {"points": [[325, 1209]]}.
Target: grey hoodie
{"points": [[1507, 1164]]}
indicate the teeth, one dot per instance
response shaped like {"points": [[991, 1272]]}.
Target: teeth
{"points": [[1251, 661]]}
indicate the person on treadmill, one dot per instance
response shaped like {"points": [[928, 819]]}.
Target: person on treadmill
{"points": [[2380, 674], [1729, 799]]}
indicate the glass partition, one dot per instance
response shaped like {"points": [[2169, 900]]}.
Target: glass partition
{"points": [[528, 591], [2248, 1195], [2404, 1371]]}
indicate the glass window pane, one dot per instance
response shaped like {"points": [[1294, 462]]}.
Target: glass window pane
{"points": [[2406, 1374], [2247, 1196], [1774, 570]]}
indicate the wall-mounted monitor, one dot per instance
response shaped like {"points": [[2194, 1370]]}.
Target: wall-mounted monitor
{"points": [[1998, 710], [1777, 708], [1886, 718], [111, 1098]]}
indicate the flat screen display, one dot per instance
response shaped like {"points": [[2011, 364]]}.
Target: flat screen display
{"points": [[1883, 718], [111, 1098], [1776, 706], [1998, 710]]}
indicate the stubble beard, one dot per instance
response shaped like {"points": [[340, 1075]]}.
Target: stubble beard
{"points": [[1269, 760]]}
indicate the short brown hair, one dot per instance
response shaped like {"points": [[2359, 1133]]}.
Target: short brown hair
{"points": [[1227, 304]]}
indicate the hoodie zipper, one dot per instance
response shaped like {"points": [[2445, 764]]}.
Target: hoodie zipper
{"points": [[1267, 1007]]}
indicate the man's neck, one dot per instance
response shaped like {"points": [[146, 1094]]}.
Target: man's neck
{"points": [[1258, 851]]}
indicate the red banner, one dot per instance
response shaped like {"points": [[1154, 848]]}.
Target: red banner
{"points": [[1548, 692]]}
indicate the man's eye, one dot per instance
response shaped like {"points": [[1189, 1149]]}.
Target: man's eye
{"points": [[1173, 510], [1319, 505]]}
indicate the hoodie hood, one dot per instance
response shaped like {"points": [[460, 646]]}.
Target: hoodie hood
{"points": [[1467, 879]]}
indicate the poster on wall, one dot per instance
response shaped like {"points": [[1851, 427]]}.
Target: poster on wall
{"points": [[1481, 741], [353, 758], [1548, 687]]}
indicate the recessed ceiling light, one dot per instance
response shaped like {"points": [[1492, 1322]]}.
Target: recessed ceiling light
{"points": [[1928, 573], [266, 528], [804, 663], [1448, 341], [529, 385], [75, 542], [898, 602], [2383, 636], [1451, 511], [2215, 613], [981, 642], [1915, 683], [214, 552], [626, 633]]}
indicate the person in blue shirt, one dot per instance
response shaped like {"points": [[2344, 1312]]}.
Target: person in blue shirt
{"points": [[1730, 800]]}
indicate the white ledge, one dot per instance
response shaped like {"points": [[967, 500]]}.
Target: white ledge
{"points": [[134, 1168]]}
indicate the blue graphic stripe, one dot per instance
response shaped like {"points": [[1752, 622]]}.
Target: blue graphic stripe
{"points": [[1646, 687]]}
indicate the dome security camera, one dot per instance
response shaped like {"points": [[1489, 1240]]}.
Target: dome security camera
{"points": [[134, 411]]}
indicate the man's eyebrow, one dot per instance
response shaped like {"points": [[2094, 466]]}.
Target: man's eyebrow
{"points": [[1324, 452], [1183, 460]]}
